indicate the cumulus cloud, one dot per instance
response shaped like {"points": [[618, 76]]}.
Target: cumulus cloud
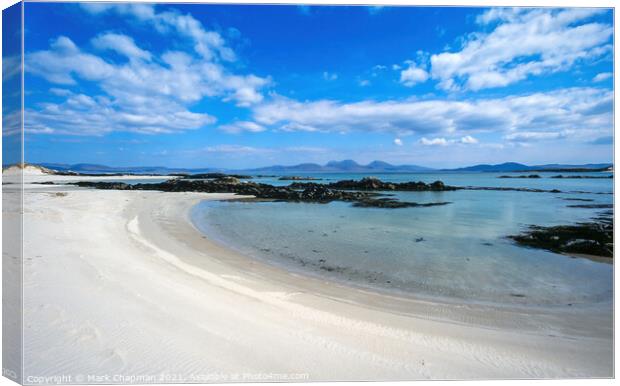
{"points": [[209, 44], [522, 42], [151, 91], [413, 75], [121, 44], [602, 76], [466, 140], [469, 140], [584, 110], [433, 142], [81, 114]]}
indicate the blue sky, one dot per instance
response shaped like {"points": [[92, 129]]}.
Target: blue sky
{"points": [[245, 86]]}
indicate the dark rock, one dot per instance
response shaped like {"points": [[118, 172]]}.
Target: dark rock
{"points": [[298, 178], [209, 176], [592, 206], [592, 238], [507, 189], [392, 204], [579, 177], [525, 176], [375, 184]]}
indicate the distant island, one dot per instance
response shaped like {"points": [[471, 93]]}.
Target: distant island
{"points": [[345, 166]]}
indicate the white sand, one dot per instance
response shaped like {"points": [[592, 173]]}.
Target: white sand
{"points": [[120, 283]]}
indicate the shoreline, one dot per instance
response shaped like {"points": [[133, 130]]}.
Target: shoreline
{"points": [[241, 305]]}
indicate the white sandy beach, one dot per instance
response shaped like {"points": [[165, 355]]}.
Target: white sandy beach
{"points": [[120, 284]]}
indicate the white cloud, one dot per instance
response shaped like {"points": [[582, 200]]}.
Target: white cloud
{"points": [[469, 140], [80, 114], [64, 61], [11, 66], [602, 76], [237, 149], [11, 122], [121, 44], [243, 150], [209, 44], [433, 142], [466, 140], [364, 82], [329, 76], [60, 91], [413, 75], [588, 109], [140, 11], [241, 126], [398, 142], [530, 136], [171, 81], [305, 149], [523, 42]]}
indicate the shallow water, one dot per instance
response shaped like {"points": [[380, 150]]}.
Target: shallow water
{"points": [[457, 251]]}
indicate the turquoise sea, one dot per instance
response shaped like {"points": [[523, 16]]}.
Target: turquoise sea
{"points": [[457, 252]]}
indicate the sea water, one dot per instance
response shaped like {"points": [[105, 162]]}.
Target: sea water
{"points": [[457, 251]]}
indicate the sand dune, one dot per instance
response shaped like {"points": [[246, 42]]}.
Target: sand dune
{"points": [[119, 284]]}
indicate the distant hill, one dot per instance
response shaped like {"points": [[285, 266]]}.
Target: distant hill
{"points": [[349, 166], [505, 167], [517, 167], [332, 166], [344, 166]]}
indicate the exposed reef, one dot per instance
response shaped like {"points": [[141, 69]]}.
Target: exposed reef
{"points": [[208, 176], [298, 178], [589, 239], [392, 203], [592, 206], [524, 176], [315, 193], [375, 184], [580, 177], [506, 189]]}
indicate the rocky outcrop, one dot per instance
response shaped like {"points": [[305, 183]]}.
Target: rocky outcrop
{"points": [[392, 203], [209, 176], [580, 177], [375, 184], [298, 178], [527, 176], [506, 189], [591, 239], [592, 206], [316, 193]]}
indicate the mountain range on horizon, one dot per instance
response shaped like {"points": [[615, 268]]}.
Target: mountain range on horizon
{"points": [[344, 166]]}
